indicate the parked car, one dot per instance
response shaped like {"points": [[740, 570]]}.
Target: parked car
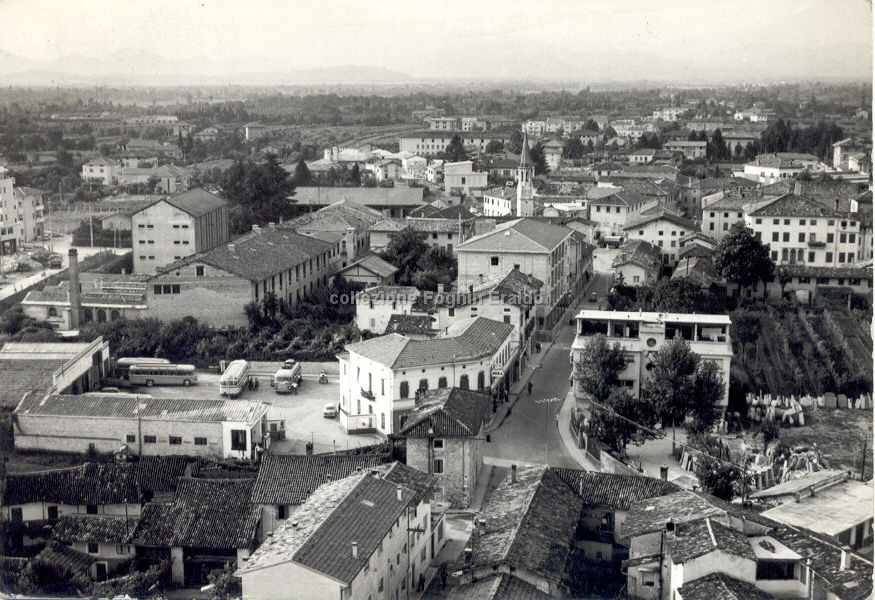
{"points": [[330, 411]]}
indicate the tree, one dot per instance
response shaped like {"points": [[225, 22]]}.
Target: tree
{"points": [[455, 151], [494, 146], [574, 148], [684, 296], [717, 147], [743, 259], [598, 367], [707, 393], [406, 250], [770, 431], [617, 424], [784, 277], [355, 175], [719, 478], [536, 153], [515, 144], [302, 173], [669, 380], [258, 193], [225, 585]]}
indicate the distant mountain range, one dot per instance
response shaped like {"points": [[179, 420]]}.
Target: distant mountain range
{"points": [[145, 68]]}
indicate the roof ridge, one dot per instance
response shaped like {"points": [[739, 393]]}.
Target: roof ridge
{"points": [[525, 510]]}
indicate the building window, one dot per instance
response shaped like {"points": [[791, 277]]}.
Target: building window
{"points": [[802, 236], [404, 392], [786, 236], [149, 439], [130, 438], [281, 511], [175, 440], [199, 271], [463, 382], [437, 443], [775, 569], [423, 384], [52, 513], [438, 466], [829, 257], [200, 441], [493, 261], [91, 509], [122, 549], [238, 439], [442, 383], [17, 515], [157, 290], [93, 548]]}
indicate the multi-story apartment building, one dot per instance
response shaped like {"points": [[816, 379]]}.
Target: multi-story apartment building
{"points": [[178, 226], [9, 224], [772, 168], [379, 377], [30, 206], [641, 334], [801, 230], [460, 177], [433, 143], [547, 252], [662, 229]]}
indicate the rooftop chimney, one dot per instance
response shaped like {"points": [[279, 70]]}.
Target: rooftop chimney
{"points": [[398, 493], [255, 227], [440, 288], [355, 550], [663, 472], [797, 188], [271, 225], [846, 561], [513, 473], [75, 287], [231, 248]]}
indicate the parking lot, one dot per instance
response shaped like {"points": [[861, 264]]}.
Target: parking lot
{"points": [[301, 412]]}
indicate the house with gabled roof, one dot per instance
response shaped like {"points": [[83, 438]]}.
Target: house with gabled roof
{"points": [[379, 377], [444, 437], [550, 253], [215, 285], [639, 262], [346, 220], [370, 270], [101, 169], [527, 531], [662, 228], [285, 481], [209, 524], [372, 534], [177, 226], [106, 539]]}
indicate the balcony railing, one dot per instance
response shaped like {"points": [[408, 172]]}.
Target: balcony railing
{"points": [[367, 394], [816, 244]]}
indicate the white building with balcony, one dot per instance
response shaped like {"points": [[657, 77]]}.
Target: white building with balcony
{"points": [[379, 377], [642, 334]]}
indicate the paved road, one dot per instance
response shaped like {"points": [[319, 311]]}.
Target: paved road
{"points": [[530, 434]]}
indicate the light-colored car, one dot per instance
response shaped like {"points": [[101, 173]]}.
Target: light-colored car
{"points": [[330, 411]]}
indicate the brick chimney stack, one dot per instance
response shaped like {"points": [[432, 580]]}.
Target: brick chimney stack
{"points": [[75, 304]]}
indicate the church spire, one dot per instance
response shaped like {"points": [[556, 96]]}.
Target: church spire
{"points": [[525, 159]]}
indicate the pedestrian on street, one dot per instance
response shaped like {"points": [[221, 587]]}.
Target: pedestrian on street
{"points": [[530, 388]]}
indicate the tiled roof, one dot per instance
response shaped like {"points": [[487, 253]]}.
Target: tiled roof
{"points": [[782, 160], [290, 479], [65, 557], [419, 482], [21, 377], [389, 225], [832, 272], [501, 586], [159, 473], [719, 183], [616, 491], [853, 583], [206, 513], [319, 534], [695, 539], [258, 255], [147, 408], [505, 193], [662, 214], [108, 529], [697, 268], [447, 412], [639, 252], [652, 514], [336, 217], [381, 197], [421, 225], [530, 525], [90, 483], [481, 338], [793, 205], [515, 287], [196, 202], [374, 264], [411, 325], [719, 586], [525, 234]]}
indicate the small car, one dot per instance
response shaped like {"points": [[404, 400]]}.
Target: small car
{"points": [[110, 390], [593, 297], [330, 411]]}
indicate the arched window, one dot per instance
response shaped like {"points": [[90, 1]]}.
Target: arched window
{"points": [[52, 312], [114, 315], [481, 380], [405, 389], [423, 384], [442, 382], [87, 315], [101, 315], [463, 382]]}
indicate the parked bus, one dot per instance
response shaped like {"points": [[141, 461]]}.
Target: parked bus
{"points": [[287, 378], [161, 374], [234, 379], [122, 366]]}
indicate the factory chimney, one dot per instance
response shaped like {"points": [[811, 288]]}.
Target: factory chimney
{"points": [[75, 287]]}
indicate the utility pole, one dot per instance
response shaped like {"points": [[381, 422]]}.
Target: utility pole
{"points": [[863, 464], [91, 222]]}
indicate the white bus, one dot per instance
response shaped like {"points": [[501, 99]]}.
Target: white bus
{"points": [[161, 374], [234, 379], [122, 366]]}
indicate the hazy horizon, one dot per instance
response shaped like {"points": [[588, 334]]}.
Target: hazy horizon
{"points": [[577, 40]]}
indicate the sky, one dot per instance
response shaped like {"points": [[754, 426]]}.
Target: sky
{"points": [[670, 40]]}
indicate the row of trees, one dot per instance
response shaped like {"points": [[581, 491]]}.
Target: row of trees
{"points": [[677, 385]]}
